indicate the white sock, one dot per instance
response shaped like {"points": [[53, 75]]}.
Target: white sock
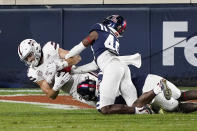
{"points": [[157, 89]]}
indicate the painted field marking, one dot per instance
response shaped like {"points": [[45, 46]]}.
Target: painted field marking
{"points": [[45, 105], [4, 90]]}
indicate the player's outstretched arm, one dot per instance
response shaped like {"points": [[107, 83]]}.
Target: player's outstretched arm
{"points": [[76, 50], [60, 79], [53, 91], [85, 68], [46, 88], [71, 61]]}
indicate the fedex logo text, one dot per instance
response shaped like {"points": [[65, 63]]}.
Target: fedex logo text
{"points": [[169, 40]]}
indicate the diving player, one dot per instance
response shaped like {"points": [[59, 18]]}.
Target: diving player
{"points": [[47, 66]]}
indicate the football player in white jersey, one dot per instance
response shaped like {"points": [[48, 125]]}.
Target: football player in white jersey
{"points": [[47, 66], [49, 69], [103, 38]]}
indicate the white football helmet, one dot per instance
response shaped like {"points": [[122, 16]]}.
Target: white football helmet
{"points": [[28, 46]]}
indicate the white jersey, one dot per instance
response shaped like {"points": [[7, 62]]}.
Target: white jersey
{"points": [[50, 55], [71, 86]]}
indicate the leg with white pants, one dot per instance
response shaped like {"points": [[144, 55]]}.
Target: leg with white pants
{"points": [[168, 105], [116, 79], [109, 86], [127, 88]]}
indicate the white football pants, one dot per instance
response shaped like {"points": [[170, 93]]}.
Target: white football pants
{"points": [[168, 105], [116, 80]]}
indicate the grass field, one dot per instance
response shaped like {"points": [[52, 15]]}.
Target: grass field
{"points": [[26, 117]]}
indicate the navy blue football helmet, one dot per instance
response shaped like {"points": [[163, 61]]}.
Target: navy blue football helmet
{"points": [[117, 22], [87, 89]]}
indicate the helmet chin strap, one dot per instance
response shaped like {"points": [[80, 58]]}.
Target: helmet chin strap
{"points": [[35, 62], [115, 32]]}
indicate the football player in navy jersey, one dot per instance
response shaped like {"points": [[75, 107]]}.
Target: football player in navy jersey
{"points": [[143, 83], [103, 38]]}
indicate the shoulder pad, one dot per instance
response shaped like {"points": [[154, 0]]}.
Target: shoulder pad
{"points": [[50, 47], [98, 26]]}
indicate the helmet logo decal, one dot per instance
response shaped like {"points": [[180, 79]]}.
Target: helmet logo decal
{"points": [[19, 50], [114, 18]]}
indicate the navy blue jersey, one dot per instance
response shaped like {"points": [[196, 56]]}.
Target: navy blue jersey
{"points": [[139, 83], [106, 40]]}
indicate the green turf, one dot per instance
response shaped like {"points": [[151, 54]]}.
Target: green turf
{"points": [[15, 93], [25, 117], [187, 88]]}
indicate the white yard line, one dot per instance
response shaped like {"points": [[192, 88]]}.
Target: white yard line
{"points": [[45, 105], [3, 90], [33, 95], [24, 95]]}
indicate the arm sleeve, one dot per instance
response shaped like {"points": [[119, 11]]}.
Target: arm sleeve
{"points": [[85, 68], [50, 48], [75, 50]]}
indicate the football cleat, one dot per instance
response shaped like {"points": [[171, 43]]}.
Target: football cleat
{"points": [[166, 90], [156, 109], [143, 110]]}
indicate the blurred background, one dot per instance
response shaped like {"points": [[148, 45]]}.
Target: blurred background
{"points": [[164, 32]]}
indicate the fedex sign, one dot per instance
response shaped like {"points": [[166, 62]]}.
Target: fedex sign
{"points": [[172, 42]]}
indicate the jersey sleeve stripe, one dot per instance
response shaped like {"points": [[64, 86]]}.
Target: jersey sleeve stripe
{"points": [[19, 50], [101, 26], [94, 74], [32, 79], [105, 28], [54, 45]]}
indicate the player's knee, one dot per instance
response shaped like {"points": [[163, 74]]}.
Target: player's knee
{"points": [[167, 105], [171, 106]]}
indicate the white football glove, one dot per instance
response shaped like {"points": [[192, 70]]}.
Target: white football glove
{"points": [[61, 79], [50, 72]]}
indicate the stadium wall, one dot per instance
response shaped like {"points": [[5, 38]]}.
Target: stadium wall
{"points": [[73, 2], [164, 35]]}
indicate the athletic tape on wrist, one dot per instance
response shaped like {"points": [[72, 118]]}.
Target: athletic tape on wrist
{"points": [[88, 39]]}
